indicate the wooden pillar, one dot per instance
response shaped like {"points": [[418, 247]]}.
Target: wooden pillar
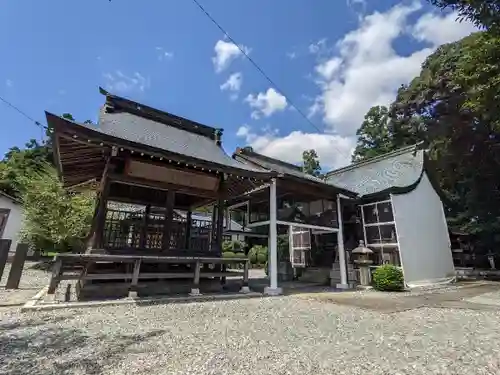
{"points": [[167, 224], [189, 222], [100, 217], [220, 223], [195, 290], [132, 293], [56, 274], [16, 269], [4, 253], [213, 229], [144, 228]]}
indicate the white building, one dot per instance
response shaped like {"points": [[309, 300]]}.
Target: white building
{"points": [[11, 219], [402, 213]]}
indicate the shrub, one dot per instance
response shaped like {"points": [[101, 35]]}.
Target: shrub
{"points": [[227, 246], [229, 254], [388, 278], [258, 254], [262, 257], [234, 246]]}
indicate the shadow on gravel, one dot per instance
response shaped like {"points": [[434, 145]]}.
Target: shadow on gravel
{"points": [[43, 347]]}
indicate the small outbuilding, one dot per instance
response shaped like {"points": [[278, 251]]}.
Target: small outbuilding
{"points": [[11, 218], [402, 214]]}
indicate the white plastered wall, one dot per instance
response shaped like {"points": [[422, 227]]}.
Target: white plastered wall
{"points": [[423, 238]]}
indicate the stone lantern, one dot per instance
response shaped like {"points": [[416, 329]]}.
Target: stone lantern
{"points": [[362, 255]]}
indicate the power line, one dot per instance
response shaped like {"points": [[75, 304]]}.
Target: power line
{"points": [[37, 123], [266, 76], [17, 109], [257, 66]]}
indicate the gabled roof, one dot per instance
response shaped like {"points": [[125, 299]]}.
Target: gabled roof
{"points": [[251, 157], [15, 200], [131, 125], [390, 173]]}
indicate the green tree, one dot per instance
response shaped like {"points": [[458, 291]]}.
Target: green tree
{"points": [[54, 219], [483, 13], [374, 135], [310, 163], [456, 97]]}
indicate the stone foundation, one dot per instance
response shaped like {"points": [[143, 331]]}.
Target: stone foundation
{"points": [[101, 290]]}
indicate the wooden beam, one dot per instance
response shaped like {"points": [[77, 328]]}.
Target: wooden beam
{"points": [[167, 224], [101, 215], [189, 221], [220, 223], [134, 181]]}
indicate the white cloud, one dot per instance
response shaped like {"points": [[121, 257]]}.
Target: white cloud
{"points": [[366, 70], [233, 84], [225, 53], [119, 82], [437, 30], [266, 103], [163, 54], [358, 7], [319, 47], [334, 151], [9, 83], [291, 55], [328, 68]]}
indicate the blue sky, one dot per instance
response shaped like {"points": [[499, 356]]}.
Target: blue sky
{"points": [[333, 59]]}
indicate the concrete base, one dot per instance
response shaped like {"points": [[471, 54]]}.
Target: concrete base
{"points": [[272, 291], [245, 289], [195, 292], [364, 287], [344, 286], [132, 294]]}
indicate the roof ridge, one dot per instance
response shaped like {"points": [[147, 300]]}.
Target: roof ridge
{"points": [[166, 118], [375, 159], [245, 152], [13, 199]]}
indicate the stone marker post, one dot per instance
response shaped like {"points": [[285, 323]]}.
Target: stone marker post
{"points": [[16, 268], [4, 253]]}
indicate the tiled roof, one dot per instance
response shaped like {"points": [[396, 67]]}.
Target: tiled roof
{"points": [[281, 167], [137, 129], [399, 169], [275, 165]]}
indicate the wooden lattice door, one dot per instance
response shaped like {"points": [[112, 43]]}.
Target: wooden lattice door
{"points": [[300, 246]]}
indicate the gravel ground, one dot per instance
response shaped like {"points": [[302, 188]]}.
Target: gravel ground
{"points": [[32, 280], [283, 335]]}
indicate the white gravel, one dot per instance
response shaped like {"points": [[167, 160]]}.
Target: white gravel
{"points": [[284, 335]]}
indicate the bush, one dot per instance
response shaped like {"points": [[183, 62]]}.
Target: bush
{"points": [[258, 254], [262, 257], [227, 246], [229, 254], [388, 278]]}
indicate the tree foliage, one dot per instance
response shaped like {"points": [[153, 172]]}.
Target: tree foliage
{"points": [[482, 13], [374, 135], [54, 219], [456, 98], [310, 162]]}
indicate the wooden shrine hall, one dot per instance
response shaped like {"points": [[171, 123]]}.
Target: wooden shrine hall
{"points": [[138, 155]]}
